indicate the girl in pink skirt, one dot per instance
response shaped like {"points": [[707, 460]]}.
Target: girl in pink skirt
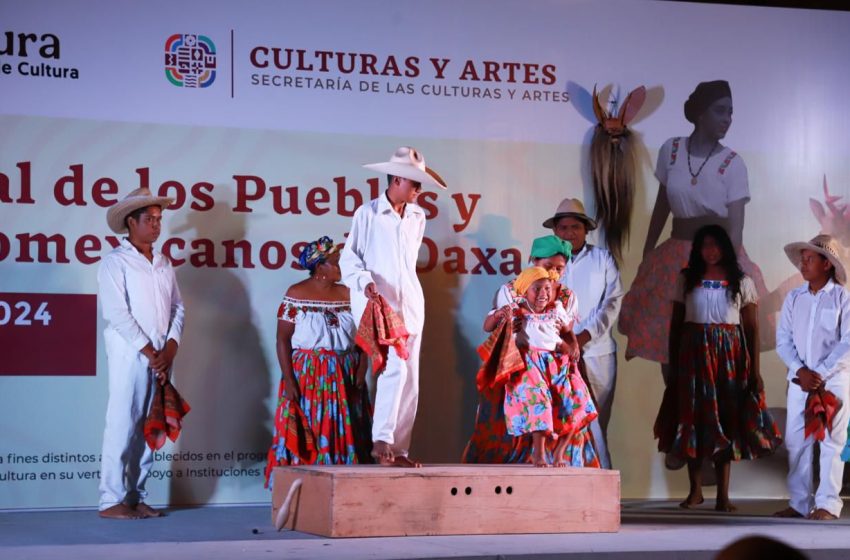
{"points": [[548, 399]]}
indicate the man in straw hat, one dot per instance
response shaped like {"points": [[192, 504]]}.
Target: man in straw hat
{"points": [[144, 314], [813, 339], [380, 258], [595, 279]]}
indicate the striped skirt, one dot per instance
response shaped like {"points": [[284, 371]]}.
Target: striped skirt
{"points": [[712, 408]]}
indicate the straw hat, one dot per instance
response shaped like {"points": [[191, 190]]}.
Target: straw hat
{"points": [[139, 198], [408, 163], [570, 208], [824, 245]]}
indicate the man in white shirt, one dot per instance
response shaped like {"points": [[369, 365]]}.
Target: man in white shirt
{"points": [[594, 277], [813, 339], [380, 258], [144, 313]]}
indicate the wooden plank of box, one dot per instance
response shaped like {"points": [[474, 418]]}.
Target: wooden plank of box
{"points": [[375, 501]]}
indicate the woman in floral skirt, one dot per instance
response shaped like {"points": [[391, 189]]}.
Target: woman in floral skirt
{"points": [[323, 414]]}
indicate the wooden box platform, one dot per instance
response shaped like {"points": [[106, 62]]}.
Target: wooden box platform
{"points": [[374, 501]]}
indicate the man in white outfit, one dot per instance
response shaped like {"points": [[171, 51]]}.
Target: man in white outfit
{"points": [[594, 278], [813, 339], [380, 258], [144, 313]]}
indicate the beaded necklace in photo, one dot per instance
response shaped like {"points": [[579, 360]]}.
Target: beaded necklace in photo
{"points": [[691, 171]]}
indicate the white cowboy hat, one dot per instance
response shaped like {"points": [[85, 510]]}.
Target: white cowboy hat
{"points": [[139, 198], [824, 245], [570, 208], [408, 163]]}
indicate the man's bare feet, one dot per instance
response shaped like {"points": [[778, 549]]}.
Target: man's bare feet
{"points": [[382, 453], [692, 501], [406, 462], [120, 511], [821, 514], [147, 511], [725, 506], [789, 513]]}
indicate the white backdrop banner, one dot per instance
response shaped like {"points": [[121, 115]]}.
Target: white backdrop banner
{"points": [[256, 119]]}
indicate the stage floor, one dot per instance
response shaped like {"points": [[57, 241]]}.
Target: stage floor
{"points": [[650, 529]]}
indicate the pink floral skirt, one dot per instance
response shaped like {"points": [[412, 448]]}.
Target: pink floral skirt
{"points": [[551, 397]]}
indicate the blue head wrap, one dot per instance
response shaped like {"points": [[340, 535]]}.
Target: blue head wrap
{"points": [[316, 253]]}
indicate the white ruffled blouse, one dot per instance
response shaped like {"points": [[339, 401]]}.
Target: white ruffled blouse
{"points": [[319, 324], [709, 301]]}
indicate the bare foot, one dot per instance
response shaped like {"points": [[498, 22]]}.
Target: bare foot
{"points": [[538, 457], [120, 511], [406, 462], [789, 513], [692, 501], [382, 453], [725, 506], [821, 514], [559, 453], [147, 511]]}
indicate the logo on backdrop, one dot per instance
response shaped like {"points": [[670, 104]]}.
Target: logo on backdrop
{"points": [[190, 60], [38, 56]]}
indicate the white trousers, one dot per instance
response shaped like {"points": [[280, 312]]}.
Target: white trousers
{"points": [[126, 458], [602, 374], [396, 398], [800, 477]]}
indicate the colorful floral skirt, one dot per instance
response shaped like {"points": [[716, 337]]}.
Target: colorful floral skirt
{"points": [[712, 408], [338, 414], [549, 395], [648, 305]]}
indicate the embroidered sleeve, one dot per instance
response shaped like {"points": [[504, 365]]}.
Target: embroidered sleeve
{"points": [[734, 173], [289, 311]]}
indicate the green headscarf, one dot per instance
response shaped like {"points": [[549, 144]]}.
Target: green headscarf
{"points": [[549, 246]]}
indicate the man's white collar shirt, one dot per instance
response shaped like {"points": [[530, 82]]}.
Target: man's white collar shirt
{"points": [[382, 247], [593, 276], [140, 299], [814, 330]]}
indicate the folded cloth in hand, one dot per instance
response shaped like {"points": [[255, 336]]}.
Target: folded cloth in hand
{"points": [[821, 406], [501, 357], [381, 328], [165, 417], [297, 437]]}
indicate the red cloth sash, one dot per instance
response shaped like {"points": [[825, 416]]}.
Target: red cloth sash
{"points": [[381, 328], [297, 437], [821, 406], [500, 356], [165, 418]]}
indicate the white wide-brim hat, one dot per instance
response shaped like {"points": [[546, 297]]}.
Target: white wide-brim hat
{"points": [[409, 163], [825, 245], [139, 198]]}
